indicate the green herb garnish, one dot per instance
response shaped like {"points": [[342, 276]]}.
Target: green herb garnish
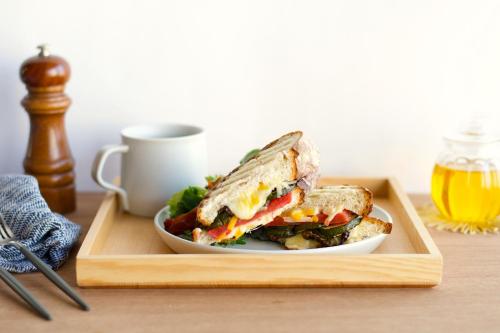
{"points": [[251, 154], [274, 194], [187, 235], [240, 241], [185, 200]]}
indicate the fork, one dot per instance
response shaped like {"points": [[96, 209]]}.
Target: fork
{"points": [[15, 285], [7, 238]]}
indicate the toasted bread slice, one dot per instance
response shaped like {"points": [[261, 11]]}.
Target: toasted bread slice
{"points": [[287, 160], [351, 197], [331, 200], [368, 227]]}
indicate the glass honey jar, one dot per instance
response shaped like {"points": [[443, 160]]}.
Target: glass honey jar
{"points": [[466, 178]]}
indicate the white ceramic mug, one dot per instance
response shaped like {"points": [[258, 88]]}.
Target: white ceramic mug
{"points": [[157, 161]]}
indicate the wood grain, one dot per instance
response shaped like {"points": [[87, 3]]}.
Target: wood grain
{"points": [[467, 300]]}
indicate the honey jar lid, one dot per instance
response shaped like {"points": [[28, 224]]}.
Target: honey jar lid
{"points": [[475, 131]]}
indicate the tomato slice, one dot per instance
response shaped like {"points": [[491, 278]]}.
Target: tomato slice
{"points": [[216, 232], [343, 217], [277, 222], [271, 207], [321, 217]]}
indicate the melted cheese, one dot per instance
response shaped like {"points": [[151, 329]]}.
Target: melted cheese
{"points": [[232, 223], [298, 242], [196, 234], [238, 233], [297, 214], [246, 205], [363, 231], [301, 215]]}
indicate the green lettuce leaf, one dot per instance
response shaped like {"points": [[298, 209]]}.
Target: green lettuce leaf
{"points": [[185, 200]]}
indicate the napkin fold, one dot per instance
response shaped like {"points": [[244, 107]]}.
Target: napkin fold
{"points": [[48, 235]]}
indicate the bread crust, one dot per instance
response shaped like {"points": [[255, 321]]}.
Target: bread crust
{"points": [[369, 199], [355, 198], [387, 227], [274, 142], [199, 214], [291, 155], [268, 146]]}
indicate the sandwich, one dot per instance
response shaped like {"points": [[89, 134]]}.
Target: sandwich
{"points": [[273, 180], [329, 216]]}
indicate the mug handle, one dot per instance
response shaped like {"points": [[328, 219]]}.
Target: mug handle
{"points": [[98, 166]]}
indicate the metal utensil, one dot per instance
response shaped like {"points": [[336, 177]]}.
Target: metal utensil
{"points": [[15, 285], [7, 238]]}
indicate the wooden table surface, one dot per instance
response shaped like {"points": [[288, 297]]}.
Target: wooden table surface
{"points": [[468, 300]]}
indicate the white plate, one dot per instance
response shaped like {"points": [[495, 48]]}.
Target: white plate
{"points": [[181, 245]]}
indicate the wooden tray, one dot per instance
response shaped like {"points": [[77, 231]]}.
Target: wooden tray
{"points": [[121, 250]]}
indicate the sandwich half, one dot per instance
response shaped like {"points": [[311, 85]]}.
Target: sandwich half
{"points": [[329, 216], [273, 181]]}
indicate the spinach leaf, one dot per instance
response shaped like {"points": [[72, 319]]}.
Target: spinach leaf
{"points": [[275, 234], [259, 234], [274, 194], [222, 218]]}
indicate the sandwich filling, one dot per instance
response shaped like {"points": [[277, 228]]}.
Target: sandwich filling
{"points": [[300, 233], [230, 227], [248, 203], [309, 229]]}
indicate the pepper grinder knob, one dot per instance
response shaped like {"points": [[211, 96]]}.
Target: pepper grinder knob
{"points": [[44, 50], [48, 156]]}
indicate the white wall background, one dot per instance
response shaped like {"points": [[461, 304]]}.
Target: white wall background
{"points": [[374, 83]]}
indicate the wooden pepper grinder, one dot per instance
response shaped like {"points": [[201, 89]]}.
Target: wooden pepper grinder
{"points": [[48, 156]]}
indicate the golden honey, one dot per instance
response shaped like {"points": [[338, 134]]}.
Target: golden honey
{"points": [[463, 195]]}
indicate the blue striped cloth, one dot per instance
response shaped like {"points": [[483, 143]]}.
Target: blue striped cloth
{"points": [[50, 236]]}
